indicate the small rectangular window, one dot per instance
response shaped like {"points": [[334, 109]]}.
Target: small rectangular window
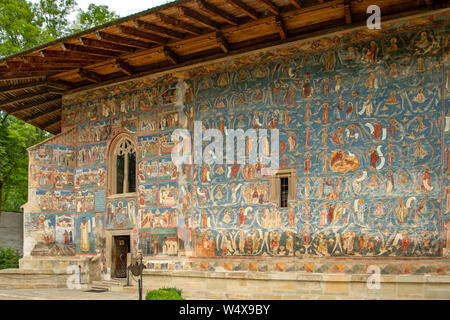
{"points": [[284, 192]]}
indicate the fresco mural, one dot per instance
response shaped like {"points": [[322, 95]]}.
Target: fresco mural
{"points": [[364, 123], [90, 233]]}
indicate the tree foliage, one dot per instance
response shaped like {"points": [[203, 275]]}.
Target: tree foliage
{"points": [[19, 26], [9, 258], [92, 17], [24, 25], [15, 137]]}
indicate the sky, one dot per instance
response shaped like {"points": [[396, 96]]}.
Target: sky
{"points": [[122, 7]]}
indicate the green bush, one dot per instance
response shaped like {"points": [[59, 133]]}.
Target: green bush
{"points": [[164, 294], [9, 258]]}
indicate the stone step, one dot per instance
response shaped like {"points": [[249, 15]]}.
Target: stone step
{"points": [[99, 288]]}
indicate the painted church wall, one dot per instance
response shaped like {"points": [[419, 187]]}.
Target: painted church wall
{"points": [[361, 122]]}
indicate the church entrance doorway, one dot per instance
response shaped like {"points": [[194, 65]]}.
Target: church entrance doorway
{"points": [[121, 248]]}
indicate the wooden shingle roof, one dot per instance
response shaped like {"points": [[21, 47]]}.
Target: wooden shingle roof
{"points": [[177, 34]]}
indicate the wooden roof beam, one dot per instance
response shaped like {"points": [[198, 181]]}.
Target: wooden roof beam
{"points": [[142, 34], [50, 123], [42, 113], [69, 55], [123, 40], [124, 67], [164, 32], [55, 61], [23, 97], [62, 85], [95, 51], [216, 12], [279, 23], [297, 3], [17, 76], [34, 105], [222, 42], [105, 45], [348, 14], [178, 23], [269, 5], [244, 8], [89, 75], [197, 17], [170, 55], [21, 86], [39, 69]]}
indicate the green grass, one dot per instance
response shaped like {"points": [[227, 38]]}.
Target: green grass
{"points": [[164, 294], [9, 258]]}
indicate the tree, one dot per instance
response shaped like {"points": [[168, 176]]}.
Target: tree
{"points": [[94, 16], [53, 18], [19, 26]]}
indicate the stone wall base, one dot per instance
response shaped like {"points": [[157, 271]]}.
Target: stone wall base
{"points": [[50, 272], [294, 286], [36, 279]]}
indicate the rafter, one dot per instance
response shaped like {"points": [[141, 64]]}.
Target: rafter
{"points": [[297, 3], [50, 123], [69, 55], [124, 67], [37, 104], [20, 66], [95, 51], [21, 86], [197, 17], [170, 55], [142, 34], [42, 113], [62, 85], [269, 5], [178, 23], [281, 28], [216, 12], [244, 8], [18, 76], [222, 42], [348, 14], [89, 75], [123, 40], [54, 61], [164, 32], [23, 97], [105, 45]]}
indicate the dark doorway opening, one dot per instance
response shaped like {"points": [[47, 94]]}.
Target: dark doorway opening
{"points": [[121, 248]]}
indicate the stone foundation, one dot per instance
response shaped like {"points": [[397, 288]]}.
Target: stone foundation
{"points": [[48, 272], [292, 286], [34, 279], [301, 279], [257, 279]]}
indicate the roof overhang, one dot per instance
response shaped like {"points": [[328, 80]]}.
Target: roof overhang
{"points": [[178, 34]]}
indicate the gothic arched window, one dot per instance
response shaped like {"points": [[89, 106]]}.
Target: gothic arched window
{"points": [[123, 166]]}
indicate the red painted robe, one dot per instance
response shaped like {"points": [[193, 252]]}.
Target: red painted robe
{"points": [[374, 158]]}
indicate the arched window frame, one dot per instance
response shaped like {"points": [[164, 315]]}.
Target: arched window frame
{"points": [[117, 147]]}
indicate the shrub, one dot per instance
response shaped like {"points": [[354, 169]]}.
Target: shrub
{"points": [[9, 258], [164, 294]]}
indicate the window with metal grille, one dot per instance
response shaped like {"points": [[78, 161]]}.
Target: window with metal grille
{"points": [[284, 192]]}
